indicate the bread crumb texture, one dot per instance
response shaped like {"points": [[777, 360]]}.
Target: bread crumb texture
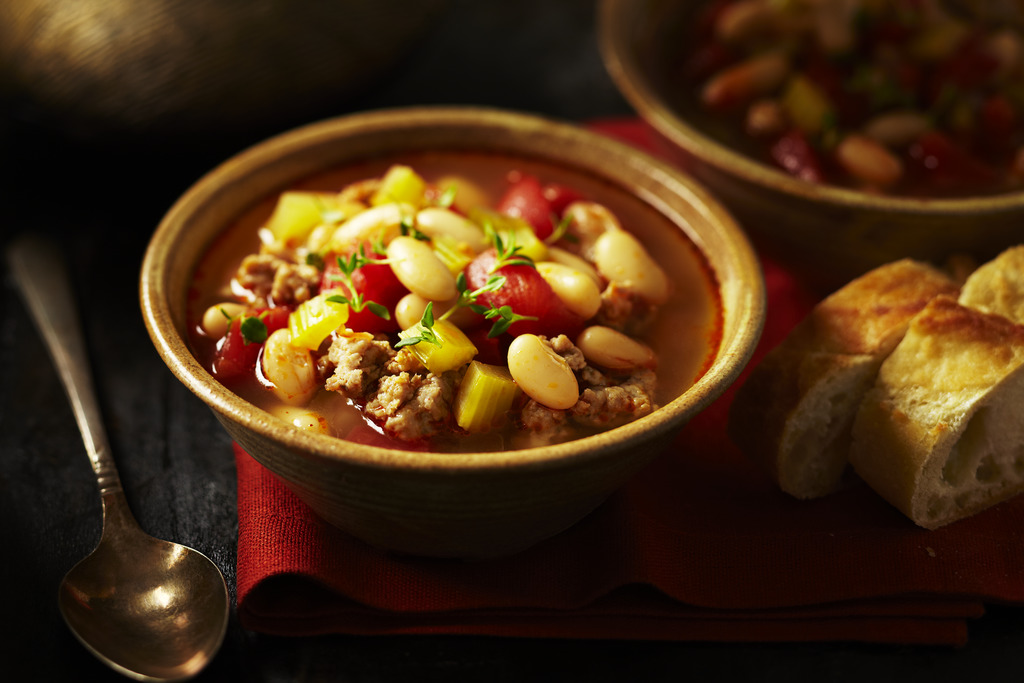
{"points": [[940, 435]]}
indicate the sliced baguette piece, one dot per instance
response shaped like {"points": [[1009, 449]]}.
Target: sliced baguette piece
{"points": [[794, 413], [941, 433], [998, 286]]}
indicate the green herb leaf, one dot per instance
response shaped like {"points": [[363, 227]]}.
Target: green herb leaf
{"points": [[505, 317], [507, 251], [316, 260], [426, 334], [561, 230], [378, 310], [254, 330], [407, 226]]}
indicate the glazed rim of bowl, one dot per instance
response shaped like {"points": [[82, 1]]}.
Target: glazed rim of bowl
{"points": [[315, 147], [621, 26]]}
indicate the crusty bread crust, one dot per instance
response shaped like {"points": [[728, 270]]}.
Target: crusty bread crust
{"points": [[794, 413], [941, 434], [998, 286]]}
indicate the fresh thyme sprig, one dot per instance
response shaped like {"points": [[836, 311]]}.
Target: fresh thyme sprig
{"points": [[503, 316], [561, 231], [507, 252], [356, 301], [426, 334]]}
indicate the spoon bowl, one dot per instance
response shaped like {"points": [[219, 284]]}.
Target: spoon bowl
{"points": [[142, 623], [150, 609]]}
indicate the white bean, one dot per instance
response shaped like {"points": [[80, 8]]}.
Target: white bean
{"points": [[742, 20], [434, 221], [302, 418], [289, 369], [623, 260], [614, 350], [834, 23], [1007, 49], [587, 222], [869, 161], [567, 258], [418, 268], [766, 118], [409, 311], [468, 194], [745, 81], [380, 222], [577, 290], [591, 218], [897, 128], [541, 373], [217, 318]]}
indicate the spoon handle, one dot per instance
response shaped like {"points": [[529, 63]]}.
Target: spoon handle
{"points": [[41, 274]]}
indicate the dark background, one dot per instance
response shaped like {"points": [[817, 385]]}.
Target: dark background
{"points": [[101, 196]]}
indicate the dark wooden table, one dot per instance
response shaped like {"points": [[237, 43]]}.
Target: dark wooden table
{"points": [[175, 460]]}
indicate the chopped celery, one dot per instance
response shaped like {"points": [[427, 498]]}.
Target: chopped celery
{"points": [[454, 254], [297, 213], [441, 347], [485, 395], [313, 320], [806, 105], [400, 184]]}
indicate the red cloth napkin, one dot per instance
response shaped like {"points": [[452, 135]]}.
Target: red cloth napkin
{"points": [[699, 546]]}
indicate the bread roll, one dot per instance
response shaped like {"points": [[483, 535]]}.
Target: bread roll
{"points": [[794, 413], [941, 434], [998, 286]]}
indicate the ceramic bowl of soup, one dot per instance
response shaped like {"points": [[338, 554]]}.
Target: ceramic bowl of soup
{"points": [[841, 135], [371, 418]]}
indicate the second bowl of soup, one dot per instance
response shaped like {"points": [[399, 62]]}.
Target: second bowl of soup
{"points": [[843, 135], [451, 332]]}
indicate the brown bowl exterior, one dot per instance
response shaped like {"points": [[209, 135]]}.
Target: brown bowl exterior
{"points": [[829, 234], [470, 505]]}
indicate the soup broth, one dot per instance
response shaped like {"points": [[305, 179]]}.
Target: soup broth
{"points": [[683, 333]]}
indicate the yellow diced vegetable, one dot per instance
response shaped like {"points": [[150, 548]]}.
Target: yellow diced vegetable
{"points": [[454, 254], [455, 348], [315, 319], [806, 105], [297, 213], [400, 184], [512, 230], [485, 395], [468, 194], [938, 41]]}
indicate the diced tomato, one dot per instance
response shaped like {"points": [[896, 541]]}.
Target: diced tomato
{"points": [[236, 358], [376, 282], [526, 293], [942, 164], [490, 350], [525, 199], [559, 197], [795, 155]]}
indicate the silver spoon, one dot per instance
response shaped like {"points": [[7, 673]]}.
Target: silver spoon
{"points": [[150, 609]]}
